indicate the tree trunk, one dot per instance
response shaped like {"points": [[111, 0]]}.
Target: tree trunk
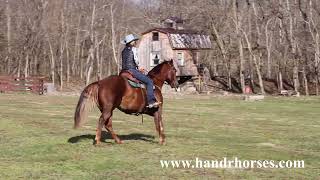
{"points": [[62, 47], [90, 58], [317, 62], [240, 46], [256, 64], [19, 67], [52, 63], [220, 44], [26, 67], [280, 80], [214, 67], [61, 65], [8, 36], [237, 19], [101, 68], [113, 41], [315, 36], [317, 84], [81, 62], [268, 46], [296, 77], [98, 61], [256, 20], [68, 61], [305, 81], [76, 53], [89, 65], [293, 48], [109, 67], [35, 66], [67, 53]]}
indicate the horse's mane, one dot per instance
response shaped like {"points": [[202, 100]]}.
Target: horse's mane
{"points": [[156, 70]]}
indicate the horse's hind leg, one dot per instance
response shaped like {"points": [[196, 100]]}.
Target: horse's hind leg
{"points": [[103, 118], [108, 126]]}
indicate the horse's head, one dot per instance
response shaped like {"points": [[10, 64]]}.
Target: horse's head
{"points": [[166, 72], [171, 77]]}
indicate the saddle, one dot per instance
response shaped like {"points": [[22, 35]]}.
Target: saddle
{"points": [[135, 83]]}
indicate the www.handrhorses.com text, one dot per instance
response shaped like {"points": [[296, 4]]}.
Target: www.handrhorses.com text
{"points": [[231, 163]]}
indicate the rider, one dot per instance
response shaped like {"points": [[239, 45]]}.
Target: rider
{"points": [[130, 63]]}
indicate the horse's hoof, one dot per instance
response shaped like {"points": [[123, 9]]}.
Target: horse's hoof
{"points": [[162, 142], [97, 143]]}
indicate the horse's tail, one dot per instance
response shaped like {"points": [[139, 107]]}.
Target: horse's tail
{"points": [[88, 98]]}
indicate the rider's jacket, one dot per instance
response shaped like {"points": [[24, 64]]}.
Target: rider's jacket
{"points": [[128, 61]]}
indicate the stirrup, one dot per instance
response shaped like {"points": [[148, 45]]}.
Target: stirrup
{"points": [[154, 105]]}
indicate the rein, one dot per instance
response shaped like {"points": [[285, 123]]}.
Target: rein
{"points": [[157, 87]]}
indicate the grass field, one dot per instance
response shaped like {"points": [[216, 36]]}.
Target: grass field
{"points": [[37, 140]]}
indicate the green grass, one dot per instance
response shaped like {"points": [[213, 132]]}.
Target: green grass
{"points": [[37, 140]]}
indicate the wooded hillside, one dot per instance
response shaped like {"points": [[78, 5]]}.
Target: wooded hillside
{"points": [[253, 40]]}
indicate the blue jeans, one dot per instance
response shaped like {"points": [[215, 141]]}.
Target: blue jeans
{"points": [[146, 80]]}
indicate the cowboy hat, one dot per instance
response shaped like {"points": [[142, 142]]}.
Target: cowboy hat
{"points": [[129, 38]]}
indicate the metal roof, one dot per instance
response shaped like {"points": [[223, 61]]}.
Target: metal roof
{"points": [[171, 31], [189, 41], [185, 39]]}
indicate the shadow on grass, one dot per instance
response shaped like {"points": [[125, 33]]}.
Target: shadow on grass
{"points": [[105, 136]]}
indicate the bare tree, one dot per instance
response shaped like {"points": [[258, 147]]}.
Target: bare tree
{"points": [[271, 40], [237, 18], [8, 15]]}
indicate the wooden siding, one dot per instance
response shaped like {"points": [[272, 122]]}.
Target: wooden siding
{"points": [[144, 51], [146, 46]]}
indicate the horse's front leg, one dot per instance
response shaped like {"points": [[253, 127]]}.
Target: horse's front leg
{"points": [[159, 126]]}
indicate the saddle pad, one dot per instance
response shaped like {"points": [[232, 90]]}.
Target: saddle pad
{"points": [[136, 85]]}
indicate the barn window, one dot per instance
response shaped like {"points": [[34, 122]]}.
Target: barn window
{"points": [[170, 25], [180, 58], [155, 58], [155, 36]]}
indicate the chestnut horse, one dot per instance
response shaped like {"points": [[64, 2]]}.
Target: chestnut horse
{"points": [[115, 92]]}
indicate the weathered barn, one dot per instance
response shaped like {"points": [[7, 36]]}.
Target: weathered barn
{"points": [[172, 41]]}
